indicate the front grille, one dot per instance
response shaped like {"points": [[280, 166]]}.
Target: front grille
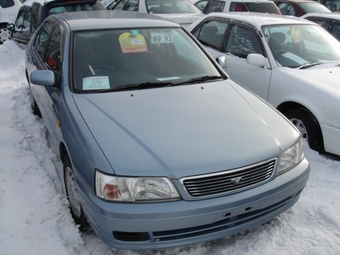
{"points": [[230, 180]]}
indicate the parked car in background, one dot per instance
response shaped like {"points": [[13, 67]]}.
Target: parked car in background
{"points": [[33, 12], [290, 62], [265, 6], [8, 12], [180, 11], [299, 7], [333, 5], [329, 21], [159, 147]]}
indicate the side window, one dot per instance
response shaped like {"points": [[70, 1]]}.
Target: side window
{"points": [[214, 6], [201, 4], [324, 23], [23, 20], [336, 30], [211, 33], [286, 9], [6, 3], [120, 5], [243, 41], [131, 6], [41, 40], [52, 55]]}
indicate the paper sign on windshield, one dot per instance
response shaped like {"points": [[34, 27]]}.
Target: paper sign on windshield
{"points": [[96, 82], [132, 43], [161, 37], [296, 34]]}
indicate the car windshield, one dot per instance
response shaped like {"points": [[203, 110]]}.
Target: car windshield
{"points": [[301, 45], [170, 6], [114, 60]]}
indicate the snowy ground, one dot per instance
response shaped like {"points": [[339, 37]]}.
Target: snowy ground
{"points": [[34, 218]]}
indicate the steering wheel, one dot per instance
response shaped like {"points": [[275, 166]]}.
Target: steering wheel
{"points": [[96, 70]]}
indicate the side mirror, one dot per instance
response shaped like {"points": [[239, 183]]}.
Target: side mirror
{"points": [[256, 59], [222, 61], [10, 27], [43, 77]]}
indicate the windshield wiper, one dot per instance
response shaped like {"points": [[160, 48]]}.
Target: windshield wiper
{"points": [[201, 79], [143, 85], [305, 66]]}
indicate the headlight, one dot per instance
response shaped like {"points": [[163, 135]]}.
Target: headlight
{"points": [[127, 189], [291, 157]]}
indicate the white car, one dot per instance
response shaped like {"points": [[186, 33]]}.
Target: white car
{"points": [[180, 11], [292, 63], [8, 13]]}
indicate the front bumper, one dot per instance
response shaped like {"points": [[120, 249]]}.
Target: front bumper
{"points": [[140, 226]]}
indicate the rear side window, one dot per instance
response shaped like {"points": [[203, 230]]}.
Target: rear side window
{"points": [[6, 3]]}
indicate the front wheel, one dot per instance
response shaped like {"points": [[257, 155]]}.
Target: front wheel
{"points": [[308, 126], [73, 196]]}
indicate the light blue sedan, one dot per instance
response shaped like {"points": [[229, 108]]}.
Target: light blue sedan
{"points": [[159, 148]]}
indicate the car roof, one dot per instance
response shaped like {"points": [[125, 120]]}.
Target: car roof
{"points": [[105, 19], [328, 15], [260, 19]]}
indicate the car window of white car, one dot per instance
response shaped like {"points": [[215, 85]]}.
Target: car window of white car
{"points": [[214, 6], [211, 33], [336, 30], [201, 4], [23, 20], [243, 41], [286, 9], [322, 22], [126, 5], [301, 45]]}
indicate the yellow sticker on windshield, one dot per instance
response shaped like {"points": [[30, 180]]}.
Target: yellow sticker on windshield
{"points": [[296, 34], [132, 43]]}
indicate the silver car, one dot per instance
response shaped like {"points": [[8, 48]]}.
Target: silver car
{"points": [[159, 148]]}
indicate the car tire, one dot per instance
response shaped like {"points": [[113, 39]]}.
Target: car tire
{"points": [[5, 34], [73, 196], [308, 126]]}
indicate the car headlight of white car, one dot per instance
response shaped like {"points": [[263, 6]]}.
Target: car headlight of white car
{"points": [[291, 157], [129, 189]]}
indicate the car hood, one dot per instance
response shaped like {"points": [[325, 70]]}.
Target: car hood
{"points": [[180, 131], [324, 76]]}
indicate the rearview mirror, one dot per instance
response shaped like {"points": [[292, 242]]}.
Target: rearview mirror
{"points": [[43, 77]]}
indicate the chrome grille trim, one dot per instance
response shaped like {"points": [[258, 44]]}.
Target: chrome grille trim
{"points": [[229, 181]]}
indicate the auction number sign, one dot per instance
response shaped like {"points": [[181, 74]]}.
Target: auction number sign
{"points": [[161, 37]]}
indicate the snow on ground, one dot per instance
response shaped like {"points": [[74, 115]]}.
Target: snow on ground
{"points": [[34, 216]]}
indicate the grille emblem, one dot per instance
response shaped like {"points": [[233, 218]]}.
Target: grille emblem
{"points": [[236, 180]]}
